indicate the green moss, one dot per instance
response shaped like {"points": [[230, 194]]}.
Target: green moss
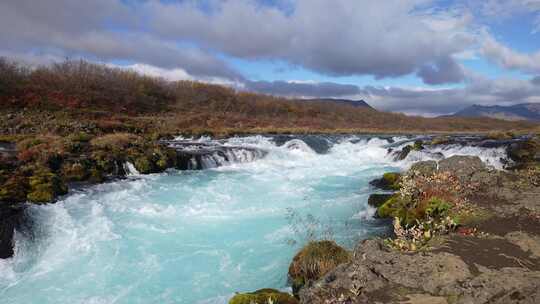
{"points": [[437, 208], [165, 158], [395, 206], [264, 296], [392, 180], [314, 261], [411, 214], [45, 186], [104, 161], [143, 164], [418, 145]]}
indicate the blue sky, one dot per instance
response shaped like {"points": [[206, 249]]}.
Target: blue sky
{"points": [[423, 57]]}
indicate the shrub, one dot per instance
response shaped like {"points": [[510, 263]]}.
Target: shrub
{"points": [[48, 149], [426, 205]]}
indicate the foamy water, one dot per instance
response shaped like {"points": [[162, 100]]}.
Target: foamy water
{"points": [[201, 236]]}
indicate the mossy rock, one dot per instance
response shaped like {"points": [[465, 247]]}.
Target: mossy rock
{"points": [[376, 200], [14, 189], [144, 165], [525, 153], [397, 206], [314, 261], [418, 145], [45, 186], [264, 296], [166, 158], [105, 162], [389, 181], [74, 172]]}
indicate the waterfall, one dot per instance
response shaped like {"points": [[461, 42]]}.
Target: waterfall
{"points": [[130, 169]]}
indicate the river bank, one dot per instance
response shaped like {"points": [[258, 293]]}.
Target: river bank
{"points": [[482, 247]]}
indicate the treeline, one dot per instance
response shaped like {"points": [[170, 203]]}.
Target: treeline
{"points": [[83, 86]]}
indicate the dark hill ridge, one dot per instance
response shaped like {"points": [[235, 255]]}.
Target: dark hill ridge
{"points": [[354, 103], [524, 111]]}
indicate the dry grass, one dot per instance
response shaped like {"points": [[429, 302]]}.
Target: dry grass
{"points": [[116, 100], [316, 259], [114, 141]]}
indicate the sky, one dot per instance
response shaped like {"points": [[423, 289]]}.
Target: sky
{"points": [[426, 57]]}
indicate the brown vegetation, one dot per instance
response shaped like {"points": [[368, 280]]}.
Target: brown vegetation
{"points": [[79, 96]]}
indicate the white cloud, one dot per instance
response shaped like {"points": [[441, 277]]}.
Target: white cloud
{"points": [[387, 38], [508, 58]]}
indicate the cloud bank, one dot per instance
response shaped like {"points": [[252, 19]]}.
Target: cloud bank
{"points": [[200, 40]]}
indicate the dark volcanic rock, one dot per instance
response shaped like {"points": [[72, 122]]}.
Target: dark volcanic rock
{"points": [[11, 217], [524, 153], [401, 155]]}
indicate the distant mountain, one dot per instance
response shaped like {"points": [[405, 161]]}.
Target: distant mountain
{"points": [[354, 103], [524, 111]]}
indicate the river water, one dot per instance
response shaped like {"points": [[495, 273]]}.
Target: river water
{"points": [[200, 236]]}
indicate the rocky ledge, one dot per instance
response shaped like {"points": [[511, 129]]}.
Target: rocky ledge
{"points": [[463, 233]]}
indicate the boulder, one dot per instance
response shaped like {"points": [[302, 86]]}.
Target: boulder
{"points": [[389, 181], [425, 168], [462, 167]]}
